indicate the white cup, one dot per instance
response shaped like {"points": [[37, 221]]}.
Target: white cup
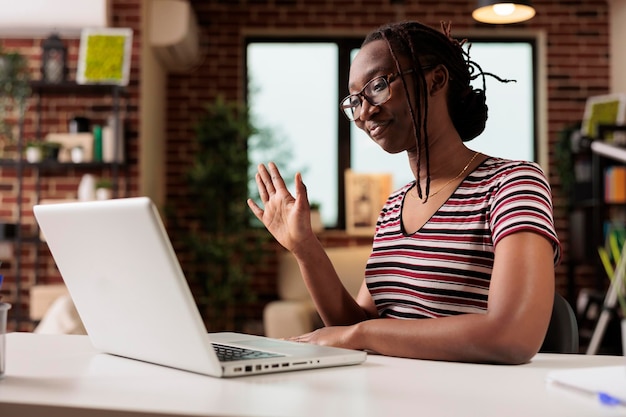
{"points": [[4, 310], [33, 154]]}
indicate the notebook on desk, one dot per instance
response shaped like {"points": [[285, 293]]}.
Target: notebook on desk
{"points": [[119, 266]]}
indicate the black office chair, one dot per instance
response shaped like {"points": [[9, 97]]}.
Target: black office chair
{"points": [[562, 335]]}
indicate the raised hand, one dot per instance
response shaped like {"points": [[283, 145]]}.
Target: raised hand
{"points": [[287, 218]]}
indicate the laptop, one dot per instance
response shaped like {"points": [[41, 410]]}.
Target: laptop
{"points": [[123, 275]]}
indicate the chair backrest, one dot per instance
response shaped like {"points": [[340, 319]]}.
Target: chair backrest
{"points": [[349, 262], [562, 335]]}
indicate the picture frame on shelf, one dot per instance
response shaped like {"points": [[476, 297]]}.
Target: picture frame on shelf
{"points": [[69, 141], [607, 109], [104, 56], [366, 194]]}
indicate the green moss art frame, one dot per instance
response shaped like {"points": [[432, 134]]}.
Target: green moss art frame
{"points": [[104, 56], [607, 109]]}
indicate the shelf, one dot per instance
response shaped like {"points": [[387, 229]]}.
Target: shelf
{"points": [[617, 153], [70, 87], [52, 165], [97, 99], [586, 203]]}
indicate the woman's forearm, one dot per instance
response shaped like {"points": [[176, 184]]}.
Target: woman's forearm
{"points": [[334, 303], [476, 338]]}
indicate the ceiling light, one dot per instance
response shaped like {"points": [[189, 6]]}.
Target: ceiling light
{"points": [[502, 12]]}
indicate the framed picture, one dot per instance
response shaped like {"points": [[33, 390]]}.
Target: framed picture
{"points": [[104, 56], [366, 194], [607, 109]]}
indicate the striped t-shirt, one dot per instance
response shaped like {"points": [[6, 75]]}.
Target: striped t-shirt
{"points": [[445, 267]]}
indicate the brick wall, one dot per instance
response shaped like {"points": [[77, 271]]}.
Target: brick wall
{"points": [[577, 67]]}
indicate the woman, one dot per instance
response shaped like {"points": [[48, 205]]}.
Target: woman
{"points": [[462, 266]]}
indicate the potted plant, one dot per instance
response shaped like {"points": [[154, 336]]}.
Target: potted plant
{"points": [[34, 152], [316, 217], [612, 256], [621, 297], [618, 279], [51, 151], [14, 92], [221, 243], [104, 189]]}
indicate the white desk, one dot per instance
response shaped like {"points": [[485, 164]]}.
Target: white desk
{"points": [[64, 376]]}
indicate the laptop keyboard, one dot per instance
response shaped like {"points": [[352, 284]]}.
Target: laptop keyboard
{"points": [[234, 353]]}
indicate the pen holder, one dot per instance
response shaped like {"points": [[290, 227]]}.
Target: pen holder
{"points": [[4, 310]]}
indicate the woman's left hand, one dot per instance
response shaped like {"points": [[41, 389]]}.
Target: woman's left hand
{"points": [[337, 336]]}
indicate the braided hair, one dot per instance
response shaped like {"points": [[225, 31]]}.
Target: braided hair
{"points": [[426, 47]]}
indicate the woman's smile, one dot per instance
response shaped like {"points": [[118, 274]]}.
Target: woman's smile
{"points": [[376, 129]]}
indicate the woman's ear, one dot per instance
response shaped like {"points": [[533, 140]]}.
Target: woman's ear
{"points": [[439, 79]]}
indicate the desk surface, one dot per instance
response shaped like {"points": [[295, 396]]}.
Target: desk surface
{"points": [[64, 375]]}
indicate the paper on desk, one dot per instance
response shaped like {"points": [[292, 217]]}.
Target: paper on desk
{"points": [[604, 379]]}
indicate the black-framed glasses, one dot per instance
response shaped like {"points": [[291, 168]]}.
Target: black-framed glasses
{"points": [[376, 91]]}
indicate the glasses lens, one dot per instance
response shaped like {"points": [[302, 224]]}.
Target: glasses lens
{"points": [[349, 106], [377, 91]]}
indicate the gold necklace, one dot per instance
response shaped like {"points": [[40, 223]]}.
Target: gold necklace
{"points": [[414, 195]]}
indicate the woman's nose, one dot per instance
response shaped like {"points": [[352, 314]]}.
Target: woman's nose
{"points": [[367, 110]]}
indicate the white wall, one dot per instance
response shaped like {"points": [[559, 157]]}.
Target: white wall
{"points": [[152, 85]]}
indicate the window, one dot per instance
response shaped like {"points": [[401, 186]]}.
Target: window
{"points": [[296, 99], [295, 87]]}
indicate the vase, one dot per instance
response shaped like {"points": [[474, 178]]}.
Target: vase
{"points": [[33, 154], [316, 221], [77, 154], [87, 188], [103, 193]]}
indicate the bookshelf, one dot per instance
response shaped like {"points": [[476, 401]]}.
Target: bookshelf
{"points": [[101, 101], [609, 213]]}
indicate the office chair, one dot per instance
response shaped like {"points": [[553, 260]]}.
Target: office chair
{"points": [[562, 335]]}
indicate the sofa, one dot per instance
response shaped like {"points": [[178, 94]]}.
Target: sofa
{"points": [[294, 313], [53, 309]]}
